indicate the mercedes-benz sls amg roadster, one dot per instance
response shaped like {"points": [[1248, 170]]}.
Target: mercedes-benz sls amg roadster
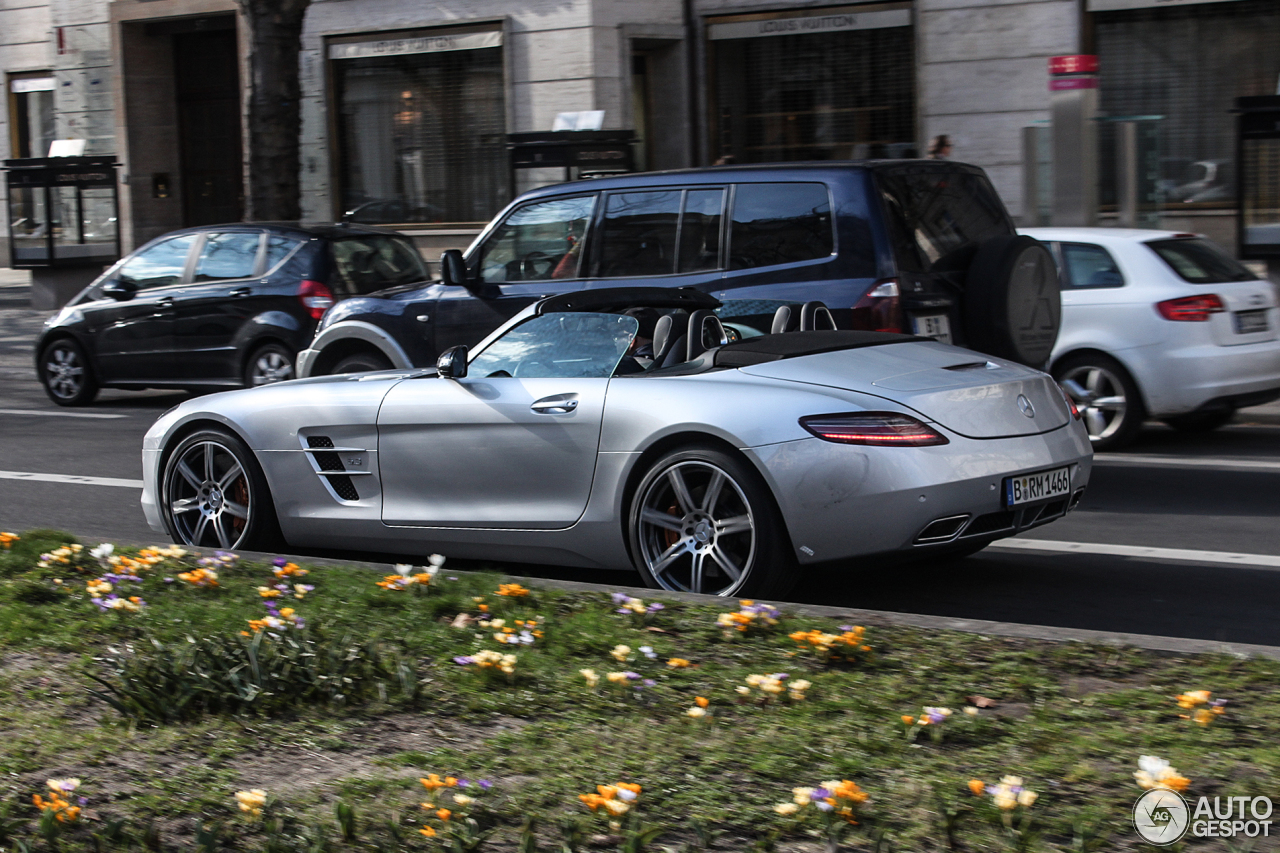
{"points": [[614, 428]]}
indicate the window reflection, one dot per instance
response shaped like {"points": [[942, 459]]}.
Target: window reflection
{"points": [[564, 345]]}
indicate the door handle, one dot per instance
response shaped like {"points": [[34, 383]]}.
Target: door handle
{"points": [[558, 404], [241, 291], [164, 302]]}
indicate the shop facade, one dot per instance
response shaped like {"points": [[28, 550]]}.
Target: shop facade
{"points": [[407, 107]]}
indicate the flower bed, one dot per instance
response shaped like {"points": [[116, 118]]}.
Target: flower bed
{"points": [[276, 706]]}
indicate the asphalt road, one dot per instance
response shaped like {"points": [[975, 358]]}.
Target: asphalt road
{"points": [[1218, 494]]}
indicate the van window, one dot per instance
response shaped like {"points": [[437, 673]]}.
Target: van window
{"points": [[1090, 266], [700, 229], [371, 262], [639, 233], [940, 216], [537, 242], [780, 224]]}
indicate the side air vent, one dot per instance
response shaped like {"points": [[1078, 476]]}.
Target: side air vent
{"points": [[330, 463]]}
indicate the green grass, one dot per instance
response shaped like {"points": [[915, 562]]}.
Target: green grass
{"points": [[1071, 719]]}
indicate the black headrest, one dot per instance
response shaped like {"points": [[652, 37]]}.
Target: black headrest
{"points": [[705, 332]]}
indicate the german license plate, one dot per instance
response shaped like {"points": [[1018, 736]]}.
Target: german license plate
{"points": [[1041, 486], [1248, 322], [934, 326]]}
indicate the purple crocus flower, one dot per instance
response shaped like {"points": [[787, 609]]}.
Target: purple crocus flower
{"points": [[279, 562], [649, 682], [631, 675], [655, 607], [168, 580], [462, 783], [485, 784], [819, 794], [620, 598], [463, 660], [823, 806]]}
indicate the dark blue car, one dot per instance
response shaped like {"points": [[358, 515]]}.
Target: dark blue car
{"points": [[918, 246]]}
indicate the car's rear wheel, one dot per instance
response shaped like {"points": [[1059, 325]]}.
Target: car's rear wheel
{"points": [[1201, 421], [66, 375], [270, 363], [214, 494], [704, 521], [361, 362], [1107, 397]]}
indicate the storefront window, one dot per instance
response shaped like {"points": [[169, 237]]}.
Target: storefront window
{"points": [[1187, 65], [830, 87], [421, 127], [31, 114]]}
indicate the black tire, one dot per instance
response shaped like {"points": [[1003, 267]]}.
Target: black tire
{"points": [[1012, 304], [66, 374], [268, 364], [1109, 401], [692, 546], [362, 362], [213, 494], [1196, 422]]}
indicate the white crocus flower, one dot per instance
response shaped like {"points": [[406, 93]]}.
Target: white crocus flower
{"points": [[404, 569]]}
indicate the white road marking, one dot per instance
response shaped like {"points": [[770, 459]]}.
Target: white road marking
{"points": [[1228, 462], [1226, 557], [69, 478], [58, 414]]}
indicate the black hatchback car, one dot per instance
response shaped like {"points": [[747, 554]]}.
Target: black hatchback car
{"points": [[915, 246], [219, 306]]}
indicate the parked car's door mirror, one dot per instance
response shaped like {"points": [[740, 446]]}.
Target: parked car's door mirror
{"points": [[452, 363], [453, 269], [119, 290]]}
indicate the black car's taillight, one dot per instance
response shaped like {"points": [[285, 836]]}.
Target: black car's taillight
{"points": [[879, 309], [315, 297], [885, 429]]}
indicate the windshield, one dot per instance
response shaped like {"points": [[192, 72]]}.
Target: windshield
{"points": [[374, 261], [562, 345], [1199, 261]]}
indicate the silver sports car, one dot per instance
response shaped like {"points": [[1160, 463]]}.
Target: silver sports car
{"points": [[632, 427]]}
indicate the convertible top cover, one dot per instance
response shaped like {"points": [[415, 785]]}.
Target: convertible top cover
{"points": [[793, 344]]}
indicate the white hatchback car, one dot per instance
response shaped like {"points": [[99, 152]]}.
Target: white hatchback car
{"points": [[1158, 324]]}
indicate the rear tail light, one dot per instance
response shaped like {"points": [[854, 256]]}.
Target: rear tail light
{"points": [[1071, 404], [315, 297], [1191, 309], [886, 429], [879, 309]]}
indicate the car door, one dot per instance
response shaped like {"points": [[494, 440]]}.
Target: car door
{"points": [[224, 294], [536, 251], [133, 336], [511, 445]]}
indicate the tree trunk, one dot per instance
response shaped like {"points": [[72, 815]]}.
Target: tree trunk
{"points": [[275, 116]]}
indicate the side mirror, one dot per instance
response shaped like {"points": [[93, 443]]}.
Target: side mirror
{"points": [[118, 290], [453, 269], [452, 363]]}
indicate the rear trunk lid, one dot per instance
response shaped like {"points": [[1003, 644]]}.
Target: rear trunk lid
{"points": [[963, 391]]}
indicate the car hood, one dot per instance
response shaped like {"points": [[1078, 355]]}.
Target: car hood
{"points": [[967, 392]]}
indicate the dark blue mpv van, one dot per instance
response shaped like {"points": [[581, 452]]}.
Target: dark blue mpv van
{"points": [[922, 247]]}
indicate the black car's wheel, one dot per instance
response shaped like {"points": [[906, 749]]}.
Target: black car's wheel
{"points": [[214, 495], [1201, 421], [66, 375], [361, 362], [269, 363], [1107, 397], [703, 521]]}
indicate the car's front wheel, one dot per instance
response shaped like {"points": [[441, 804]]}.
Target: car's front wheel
{"points": [[1107, 397], [704, 521], [66, 375], [214, 495]]}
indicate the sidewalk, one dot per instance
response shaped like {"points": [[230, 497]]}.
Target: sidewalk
{"points": [[20, 323]]}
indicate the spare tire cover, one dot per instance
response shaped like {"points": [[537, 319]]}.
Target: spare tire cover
{"points": [[1012, 303]]}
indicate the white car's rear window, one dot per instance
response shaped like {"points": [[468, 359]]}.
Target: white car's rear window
{"points": [[1199, 261]]}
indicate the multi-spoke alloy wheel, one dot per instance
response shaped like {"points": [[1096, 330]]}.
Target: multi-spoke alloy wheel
{"points": [[65, 372], [1108, 400], [214, 495], [269, 364], [702, 522]]}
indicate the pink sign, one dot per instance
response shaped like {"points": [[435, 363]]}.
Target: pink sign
{"points": [[1079, 64]]}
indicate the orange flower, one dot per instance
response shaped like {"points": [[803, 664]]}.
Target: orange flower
{"points": [[428, 832], [977, 787], [444, 814], [592, 801], [629, 786], [608, 792], [701, 701]]}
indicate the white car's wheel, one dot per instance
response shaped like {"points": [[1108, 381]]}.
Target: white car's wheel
{"points": [[1107, 397]]}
